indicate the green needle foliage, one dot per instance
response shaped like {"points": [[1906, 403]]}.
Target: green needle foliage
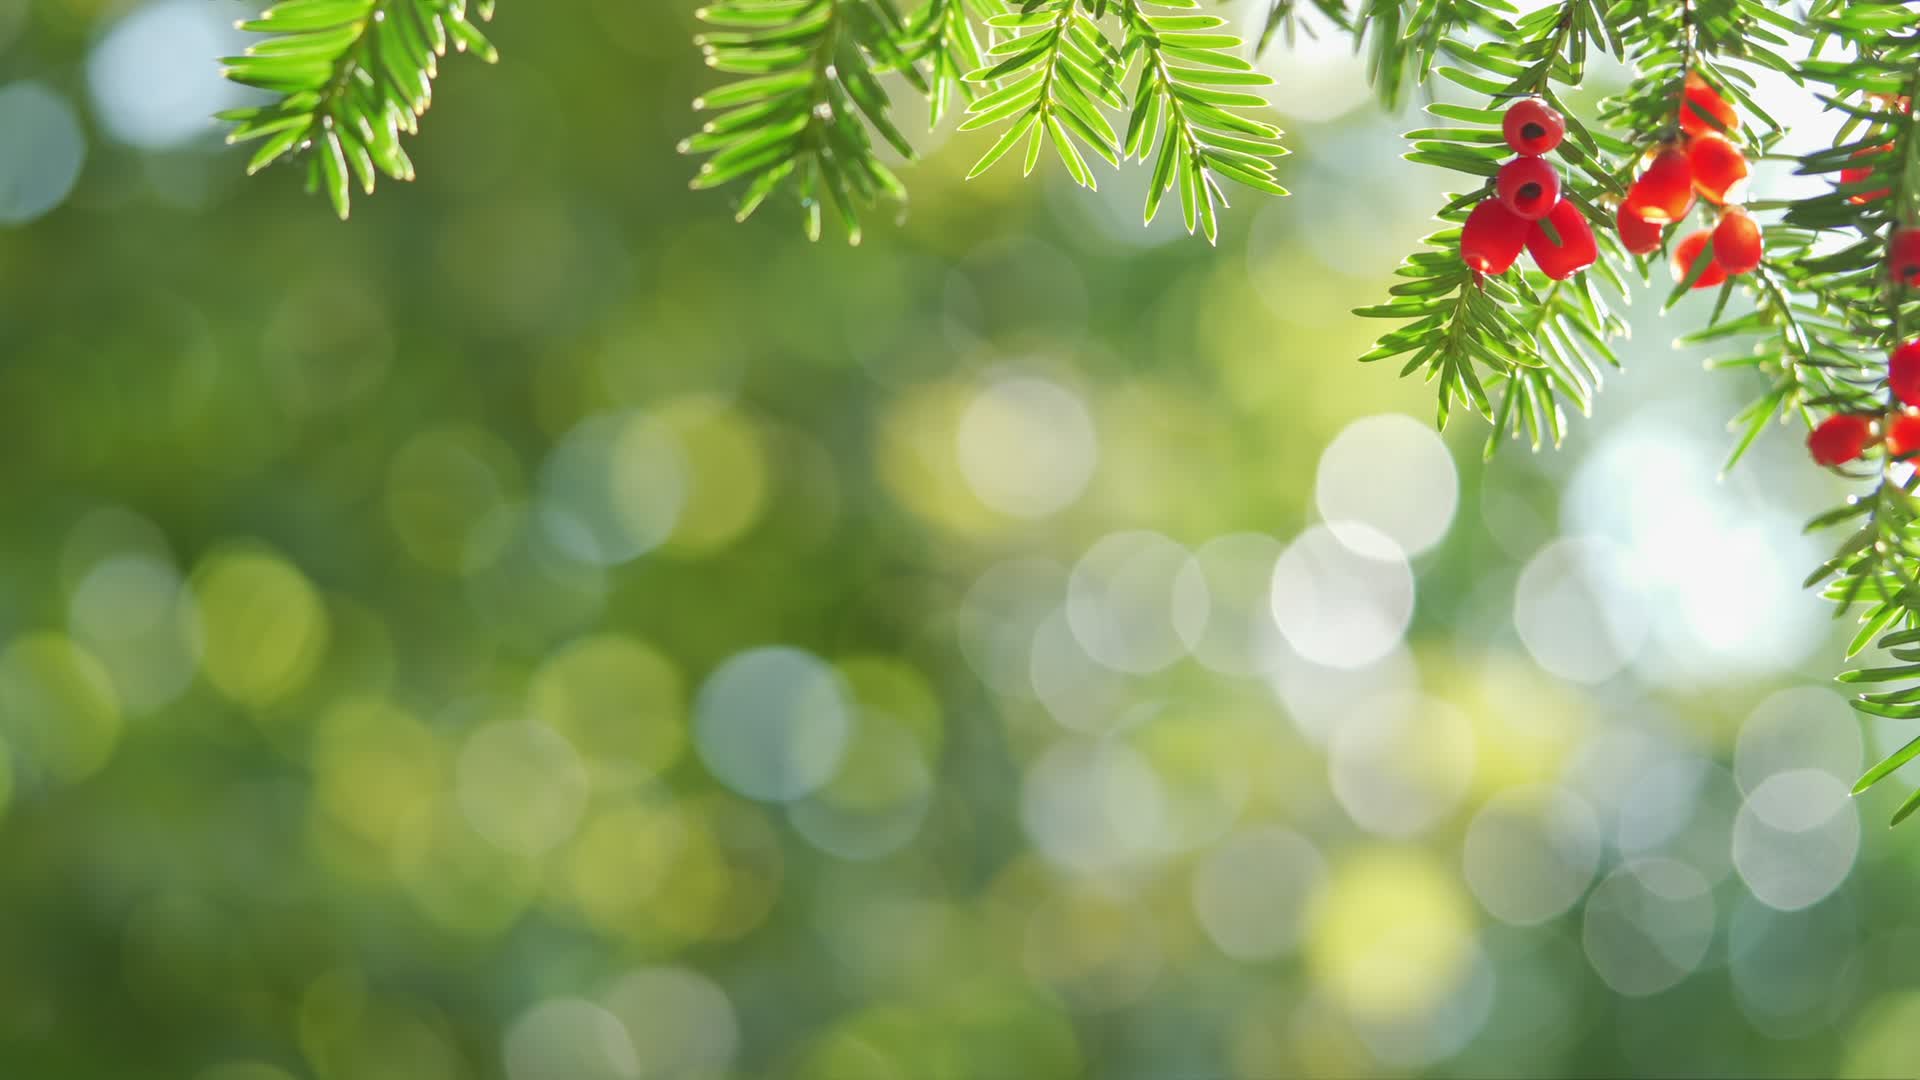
{"points": [[351, 76], [808, 112]]}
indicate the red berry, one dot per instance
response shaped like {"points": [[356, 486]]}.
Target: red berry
{"points": [[1903, 256], [1862, 173], [1637, 234], [1528, 186], [1737, 244], [1576, 250], [1492, 237], [1840, 438], [1699, 101], [1532, 127], [1903, 372], [1903, 433], [1719, 168], [1687, 252], [1664, 193]]}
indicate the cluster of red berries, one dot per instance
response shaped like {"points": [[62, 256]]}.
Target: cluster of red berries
{"points": [[1526, 193], [1704, 163], [1845, 437], [1860, 174]]}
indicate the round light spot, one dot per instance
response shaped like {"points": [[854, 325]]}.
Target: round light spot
{"points": [[569, 1039], [133, 612], [1092, 805], [1238, 635], [263, 625], [41, 149], [1026, 446], [58, 710], [1400, 764], [620, 704], [1648, 925], [875, 802], [612, 489], [521, 786], [1390, 934], [726, 472], [681, 1025], [1078, 693], [772, 723], [1252, 892], [1319, 699], [1343, 599], [999, 616], [1530, 853], [1795, 838], [449, 498], [1806, 727], [1127, 601], [1569, 610], [1392, 473], [1792, 969], [155, 78]]}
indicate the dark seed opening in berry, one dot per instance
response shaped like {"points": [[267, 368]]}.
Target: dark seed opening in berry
{"points": [[1528, 193], [1531, 132]]}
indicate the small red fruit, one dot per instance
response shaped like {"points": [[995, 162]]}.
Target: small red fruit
{"points": [[1664, 193], [1576, 250], [1719, 168], [1528, 186], [1637, 234], [1903, 433], [1903, 372], [1699, 101], [1492, 237], [1903, 256], [1737, 243], [1532, 127], [1687, 252], [1840, 438], [1862, 173]]}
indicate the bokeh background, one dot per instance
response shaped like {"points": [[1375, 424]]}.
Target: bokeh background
{"points": [[541, 630]]}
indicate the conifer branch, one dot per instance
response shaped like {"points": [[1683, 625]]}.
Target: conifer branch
{"points": [[352, 76]]}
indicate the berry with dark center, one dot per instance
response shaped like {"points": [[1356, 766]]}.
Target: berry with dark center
{"points": [[1903, 256], [1737, 243], [1637, 234], [1719, 168], [1860, 174], [1492, 237], [1703, 110], [1528, 186], [1532, 127], [1902, 432], [1903, 372], [1840, 438], [1576, 249], [1687, 252], [1664, 193]]}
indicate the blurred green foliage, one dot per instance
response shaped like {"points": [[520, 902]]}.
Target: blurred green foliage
{"points": [[544, 630]]}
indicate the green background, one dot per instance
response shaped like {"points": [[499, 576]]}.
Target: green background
{"points": [[345, 739]]}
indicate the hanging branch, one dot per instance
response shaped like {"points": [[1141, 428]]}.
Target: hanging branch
{"points": [[352, 76]]}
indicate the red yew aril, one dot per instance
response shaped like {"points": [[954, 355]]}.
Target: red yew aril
{"points": [[1903, 372], [1737, 243], [1719, 168], [1532, 127], [1840, 438], [1862, 173], [1528, 186], [1664, 193], [1903, 433], [1903, 256], [1637, 234], [1576, 250], [1687, 252], [1492, 237], [1699, 101]]}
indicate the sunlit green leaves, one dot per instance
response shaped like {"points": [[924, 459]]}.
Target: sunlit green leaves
{"points": [[351, 77], [1058, 73]]}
